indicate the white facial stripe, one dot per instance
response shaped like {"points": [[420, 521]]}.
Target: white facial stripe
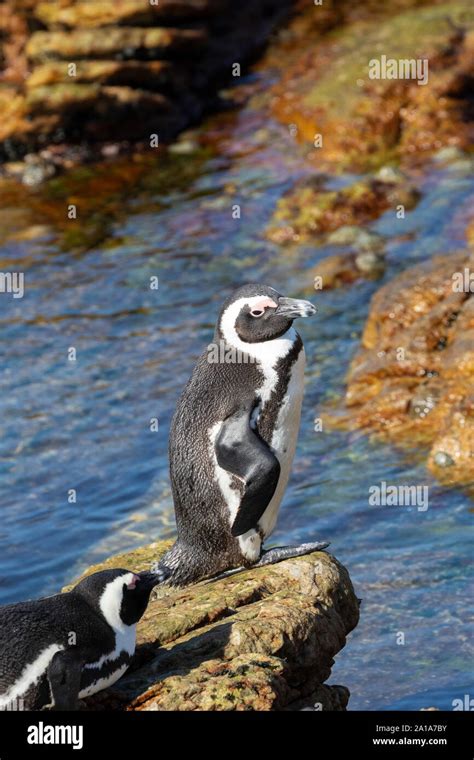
{"points": [[111, 600], [31, 675], [125, 635]]}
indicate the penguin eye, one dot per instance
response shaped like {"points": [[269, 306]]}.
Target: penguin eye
{"points": [[256, 312]]}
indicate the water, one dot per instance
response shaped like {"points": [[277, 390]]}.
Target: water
{"points": [[85, 424]]}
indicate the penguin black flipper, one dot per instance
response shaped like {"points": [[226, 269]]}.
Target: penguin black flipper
{"points": [[64, 676], [240, 451]]}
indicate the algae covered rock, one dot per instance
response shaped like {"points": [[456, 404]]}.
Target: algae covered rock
{"points": [[330, 88], [346, 117], [262, 639]]}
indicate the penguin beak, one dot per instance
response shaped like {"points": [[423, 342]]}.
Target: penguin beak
{"points": [[294, 307], [149, 580]]}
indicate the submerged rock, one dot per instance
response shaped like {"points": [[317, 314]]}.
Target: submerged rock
{"points": [[259, 640], [344, 269], [308, 210], [412, 379]]}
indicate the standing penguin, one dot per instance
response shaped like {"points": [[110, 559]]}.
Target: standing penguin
{"points": [[59, 649], [233, 438]]}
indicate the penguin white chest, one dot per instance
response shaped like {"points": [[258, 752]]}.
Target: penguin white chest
{"points": [[284, 438]]}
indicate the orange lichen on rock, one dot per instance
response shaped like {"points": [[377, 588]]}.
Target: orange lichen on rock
{"points": [[364, 121], [412, 379]]}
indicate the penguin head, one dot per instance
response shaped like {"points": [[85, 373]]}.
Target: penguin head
{"points": [[120, 596], [257, 313]]}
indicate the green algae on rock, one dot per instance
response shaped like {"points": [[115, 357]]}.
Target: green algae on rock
{"points": [[365, 122], [262, 639]]}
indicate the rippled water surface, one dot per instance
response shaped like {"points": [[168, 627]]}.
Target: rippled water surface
{"points": [[84, 425]]}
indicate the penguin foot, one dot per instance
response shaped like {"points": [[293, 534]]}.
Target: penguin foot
{"points": [[272, 556], [279, 553]]}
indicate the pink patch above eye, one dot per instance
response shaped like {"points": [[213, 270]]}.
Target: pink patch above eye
{"points": [[263, 304], [133, 583]]}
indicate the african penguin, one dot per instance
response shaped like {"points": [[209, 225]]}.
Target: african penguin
{"points": [[59, 649], [233, 438]]}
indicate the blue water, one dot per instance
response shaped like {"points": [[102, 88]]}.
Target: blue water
{"points": [[85, 424]]}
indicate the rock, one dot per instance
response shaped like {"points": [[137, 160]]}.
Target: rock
{"points": [[95, 13], [441, 459], [391, 175], [411, 381], [151, 75], [344, 269], [259, 640], [334, 272], [308, 210], [369, 263], [184, 147], [122, 42], [36, 171], [350, 235], [325, 88], [446, 155], [90, 72]]}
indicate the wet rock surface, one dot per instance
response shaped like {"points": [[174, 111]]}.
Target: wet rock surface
{"points": [[259, 640], [412, 379]]}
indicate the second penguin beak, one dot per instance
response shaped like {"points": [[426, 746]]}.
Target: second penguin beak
{"points": [[294, 307]]}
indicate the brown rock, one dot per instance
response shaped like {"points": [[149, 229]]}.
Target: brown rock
{"points": [[308, 209], [180, 51], [412, 379], [96, 13], [117, 41], [149, 75], [259, 640], [326, 88]]}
